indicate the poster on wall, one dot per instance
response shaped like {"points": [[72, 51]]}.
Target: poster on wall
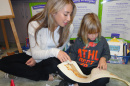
{"points": [[83, 7], [116, 18], [36, 7]]}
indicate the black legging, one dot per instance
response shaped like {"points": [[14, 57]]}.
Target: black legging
{"points": [[87, 71], [15, 65]]}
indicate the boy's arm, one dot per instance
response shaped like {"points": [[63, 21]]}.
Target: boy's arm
{"points": [[73, 52], [105, 56], [106, 51]]}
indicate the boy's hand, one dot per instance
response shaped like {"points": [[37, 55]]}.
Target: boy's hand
{"points": [[102, 63]]}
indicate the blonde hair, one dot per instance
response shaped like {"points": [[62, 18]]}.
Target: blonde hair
{"points": [[90, 24], [45, 19]]}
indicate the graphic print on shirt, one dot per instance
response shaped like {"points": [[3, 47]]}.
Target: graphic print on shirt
{"points": [[86, 56], [91, 44]]}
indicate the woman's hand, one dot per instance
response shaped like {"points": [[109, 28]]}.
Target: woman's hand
{"points": [[102, 63], [62, 56], [31, 62]]}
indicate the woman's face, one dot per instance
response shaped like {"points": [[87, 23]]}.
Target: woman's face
{"points": [[93, 36], [63, 16]]}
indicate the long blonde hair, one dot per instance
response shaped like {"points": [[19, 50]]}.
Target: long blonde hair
{"points": [[45, 19], [90, 24]]}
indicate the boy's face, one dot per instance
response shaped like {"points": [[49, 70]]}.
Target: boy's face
{"points": [[92, 36]]}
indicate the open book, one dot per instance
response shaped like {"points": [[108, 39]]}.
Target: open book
{"points": [[72, 70]]}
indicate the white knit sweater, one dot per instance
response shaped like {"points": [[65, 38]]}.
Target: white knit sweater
{"points": [[43, 50]]}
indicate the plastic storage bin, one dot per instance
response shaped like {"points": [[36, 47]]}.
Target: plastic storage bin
{"points": [[119, 59]]}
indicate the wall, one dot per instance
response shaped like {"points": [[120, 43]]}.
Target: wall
{"points": [[22, 16]]}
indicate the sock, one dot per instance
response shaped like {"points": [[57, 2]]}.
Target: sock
{"points": [[71, 85]]}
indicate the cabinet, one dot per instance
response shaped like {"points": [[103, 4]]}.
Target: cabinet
{"points": [[22, 16]]}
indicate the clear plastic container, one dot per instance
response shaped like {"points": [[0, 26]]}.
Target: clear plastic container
{"points": [[116, 60]]}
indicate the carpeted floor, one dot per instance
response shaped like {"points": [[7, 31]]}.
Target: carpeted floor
{"points": [[121, 70]]}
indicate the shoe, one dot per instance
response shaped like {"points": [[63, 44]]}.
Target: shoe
{"points": [[9, 76]]}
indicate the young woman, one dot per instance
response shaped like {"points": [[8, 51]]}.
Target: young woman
{"points": [[90, 50], [49, 31]]}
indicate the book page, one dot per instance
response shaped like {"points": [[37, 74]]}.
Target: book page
{"points": [[72, 70]]}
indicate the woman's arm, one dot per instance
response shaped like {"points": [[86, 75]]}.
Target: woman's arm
{"points": [[62, 56], [36, 51]]}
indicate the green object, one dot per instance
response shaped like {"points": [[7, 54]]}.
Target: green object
{"points": [[100, 10], [35, 4]]}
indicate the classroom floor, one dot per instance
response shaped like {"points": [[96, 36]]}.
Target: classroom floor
{"points": [[121, 70]]}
